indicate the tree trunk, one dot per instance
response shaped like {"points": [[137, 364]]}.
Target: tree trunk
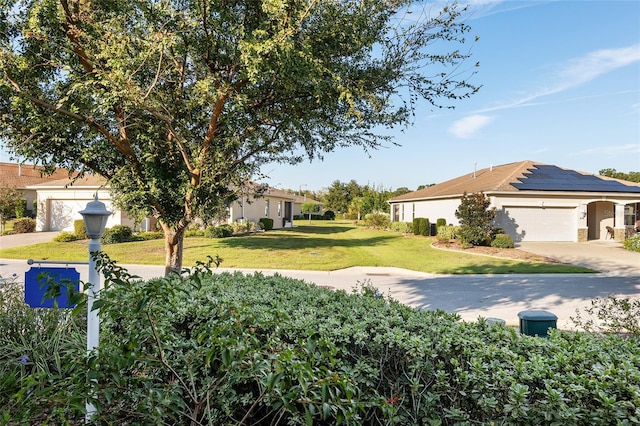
{"points": [[173, 245]]}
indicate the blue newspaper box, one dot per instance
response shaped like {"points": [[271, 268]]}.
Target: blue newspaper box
{"points": [[35, 286]]}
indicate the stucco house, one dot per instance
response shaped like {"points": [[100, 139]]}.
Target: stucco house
{"points": [[534, 202], [22, 176], [60, 201]]}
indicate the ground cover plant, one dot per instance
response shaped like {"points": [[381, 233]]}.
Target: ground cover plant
{"points": [[225, 348], [321, 245]]}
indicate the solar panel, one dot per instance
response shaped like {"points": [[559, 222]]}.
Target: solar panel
{"points": [[553, 178]]}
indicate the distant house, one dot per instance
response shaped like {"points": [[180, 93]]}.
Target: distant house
{"points": [[534, 202], [256, 202], [21, 176], [60, 201]]}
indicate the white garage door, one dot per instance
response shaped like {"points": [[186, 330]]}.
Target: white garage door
{"points": [[543, 224], [62, 213]]}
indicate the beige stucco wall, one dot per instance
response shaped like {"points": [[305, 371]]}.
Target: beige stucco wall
{"points": [[589, 216], [253, 209]]}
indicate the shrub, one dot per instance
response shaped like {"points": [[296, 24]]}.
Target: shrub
{"points": [[194, 233], [117, 234], [329, 215], [421, 226], [42, 362], [146, 235], [253, 347], [207, 348], [475, 215], [403, 227], [21, 207], [221, 231], [448, 232], [24, 226], [79, 229], [632, 243], [441, 222], [65, 237], [266, 223], [502, 241], [611, 315], [377, 220]]}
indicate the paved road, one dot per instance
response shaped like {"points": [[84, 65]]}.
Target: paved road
{"points": [[471, 296]]}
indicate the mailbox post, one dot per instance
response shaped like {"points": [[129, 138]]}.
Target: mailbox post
{"points": [[95, 217]]}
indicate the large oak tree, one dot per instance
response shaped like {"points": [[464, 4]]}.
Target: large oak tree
{"points": [[177, 101]]}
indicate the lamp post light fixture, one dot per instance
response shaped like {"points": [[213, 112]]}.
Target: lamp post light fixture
{"points": [[95, 217]]}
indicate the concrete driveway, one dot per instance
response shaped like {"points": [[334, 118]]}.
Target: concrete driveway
{"points": [[606, 256]]}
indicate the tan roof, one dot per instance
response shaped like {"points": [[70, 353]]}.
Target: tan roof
{"points": [[496, 178], [23, 175], [514, 177], [86, 181]]}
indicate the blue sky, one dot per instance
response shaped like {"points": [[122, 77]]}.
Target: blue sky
{"points": [[560, 85]]}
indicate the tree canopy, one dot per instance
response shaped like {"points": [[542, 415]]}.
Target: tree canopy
{"points": [[631, 176], [176, 102]]}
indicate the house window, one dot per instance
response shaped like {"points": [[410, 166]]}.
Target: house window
{"points": [[266, 208], [403, 212], [630, 214], [413, 213], [279, 208]]}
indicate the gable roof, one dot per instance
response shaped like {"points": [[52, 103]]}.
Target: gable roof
{"points": [[520, 177], [87, 181], [23, 175]]}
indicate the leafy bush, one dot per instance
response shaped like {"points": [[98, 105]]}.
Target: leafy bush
{"points": [[79, 229], [329, 215], [244, 226], [65, 237], [225, 348], [377, 220], [266, 223], [611, 315], [502, 241], [194, 233], [446, 233], [24, 226], [146, 236], [476, 216], [21, 207], [421, 226], [441, 222], [215, 348], [221, 231], [632, 243], [403, 227], [117, 234], [42, 362]]}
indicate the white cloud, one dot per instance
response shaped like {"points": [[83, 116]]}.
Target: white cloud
{"points": [[468, 126], [611, 151], [576, 72]]}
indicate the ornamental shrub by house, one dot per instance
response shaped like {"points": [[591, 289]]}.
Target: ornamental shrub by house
{"points": [[24, 226], [266, 223], [502, 241], [79, 229], [632, 243], [117, 234], [421, 226]]}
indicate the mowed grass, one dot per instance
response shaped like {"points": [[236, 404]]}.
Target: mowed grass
{"points": [[320, 246]]}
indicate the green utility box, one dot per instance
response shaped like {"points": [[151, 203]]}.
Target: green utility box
{"points": [[537, 323]]}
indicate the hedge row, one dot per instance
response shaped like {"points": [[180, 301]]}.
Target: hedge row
{"points": [[236, 349]]}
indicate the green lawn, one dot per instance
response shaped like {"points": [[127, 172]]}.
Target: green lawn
{"points": [[322, 246]]}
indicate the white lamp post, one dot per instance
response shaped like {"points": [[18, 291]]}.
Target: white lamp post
{"points": [[95, 217]]}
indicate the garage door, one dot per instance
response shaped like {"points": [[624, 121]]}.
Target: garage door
{"points": [[62, 213], [542, 224]]}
